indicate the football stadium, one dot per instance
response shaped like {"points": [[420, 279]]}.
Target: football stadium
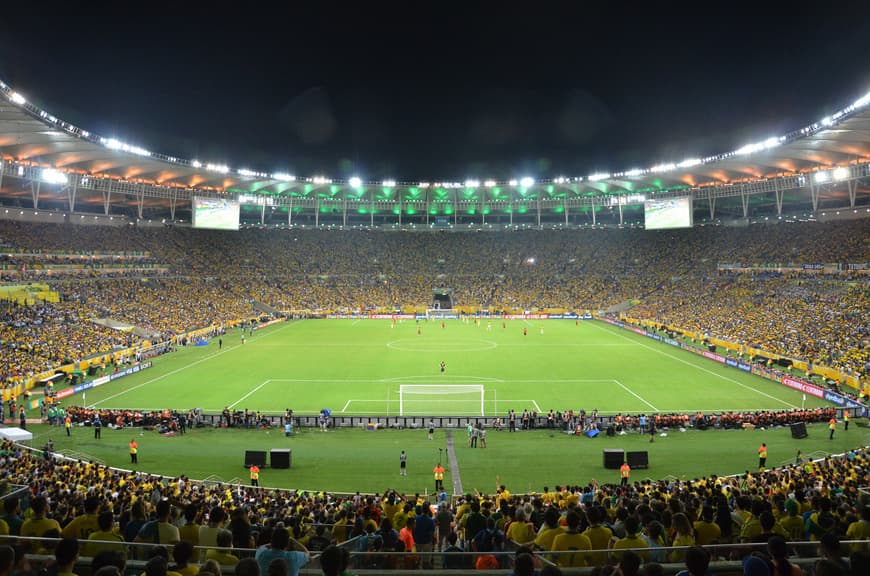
{"points": [[637, 371]]}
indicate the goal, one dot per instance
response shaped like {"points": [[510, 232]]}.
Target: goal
{"points": [[441, 399]]}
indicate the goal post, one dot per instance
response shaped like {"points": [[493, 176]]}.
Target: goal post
{"points": [[446, 399]]}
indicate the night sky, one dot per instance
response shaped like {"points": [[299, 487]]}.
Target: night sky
{"points": [[427, 91]]}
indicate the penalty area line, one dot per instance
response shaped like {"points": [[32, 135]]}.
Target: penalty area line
{"points": [[636, 395], [237, 402], [697, 367]]}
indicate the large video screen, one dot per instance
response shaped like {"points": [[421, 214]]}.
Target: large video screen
{"points": [[215, 213], [670, 213]]}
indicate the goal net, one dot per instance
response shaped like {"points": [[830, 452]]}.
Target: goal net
{"points": [[441, 399]]}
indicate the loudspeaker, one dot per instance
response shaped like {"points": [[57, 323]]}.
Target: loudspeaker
{"points": [[799, 430], [593, 433], [280, 458], [257, 457], [638, 459], [613, 459]]}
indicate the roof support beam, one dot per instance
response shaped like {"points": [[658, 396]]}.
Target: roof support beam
{"points": [[173, 199], [140, 202], [107, 197], [619, 204], [777, 191], [34, 192], [814, 195], [853, 186], [71, 194]]}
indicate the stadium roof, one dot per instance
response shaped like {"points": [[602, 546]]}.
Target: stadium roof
{"points": [[33, 137]]}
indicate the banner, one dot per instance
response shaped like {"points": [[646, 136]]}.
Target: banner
{"points": [[713, 356], [804, 387]]}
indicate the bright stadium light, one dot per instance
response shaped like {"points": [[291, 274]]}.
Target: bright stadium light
{"points": [[862, 101], [53, 176], [689, 162], [771, 142], [826, 121], [841, 173], [489, 183], [284, 177], [597, 177], [472, 183], [355, 182], [634, 172], [388, 183], [196, 164], [17, 98], [423, 184], [663, 167], [527, 182], [513, 182], [821, 177]]}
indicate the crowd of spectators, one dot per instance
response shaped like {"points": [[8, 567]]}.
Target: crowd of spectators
{"points": [[215, 277], [814, 501]]}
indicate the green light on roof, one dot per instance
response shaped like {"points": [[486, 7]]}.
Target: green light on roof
{"points": [[440, 191], [550, 189], [433, 211], [486, 210], [396, 211], [559, 209], [522, 209], [411, 211], [496, 191], [471, 210], [334, 189], [363, 211], [308, 188], [413, 190], [448, 210]]}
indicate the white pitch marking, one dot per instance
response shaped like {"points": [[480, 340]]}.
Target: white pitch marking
{"points": [[234, 404], [192, 364], [633, 393], [727, 379]]}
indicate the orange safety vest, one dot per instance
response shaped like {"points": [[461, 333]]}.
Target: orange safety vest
{"points": [[255, 473], [134, 448], [625, 470], [439, 473]]}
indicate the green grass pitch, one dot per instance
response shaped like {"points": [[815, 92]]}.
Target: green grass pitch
{"points": [[355, 367]]}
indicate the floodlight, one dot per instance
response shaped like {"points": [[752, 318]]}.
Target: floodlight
{"points": [[826, 121], [513, 182], [17, 98], [196, 164], [389, 183], [841, 173], [820, 177], [597, 177], [663, 167], [489, 183], [634, 172], [423, 184], [689, 162], [283, 176], [53, 176], [527, 182], [355, 182], [472, 183], [862, 101]]}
